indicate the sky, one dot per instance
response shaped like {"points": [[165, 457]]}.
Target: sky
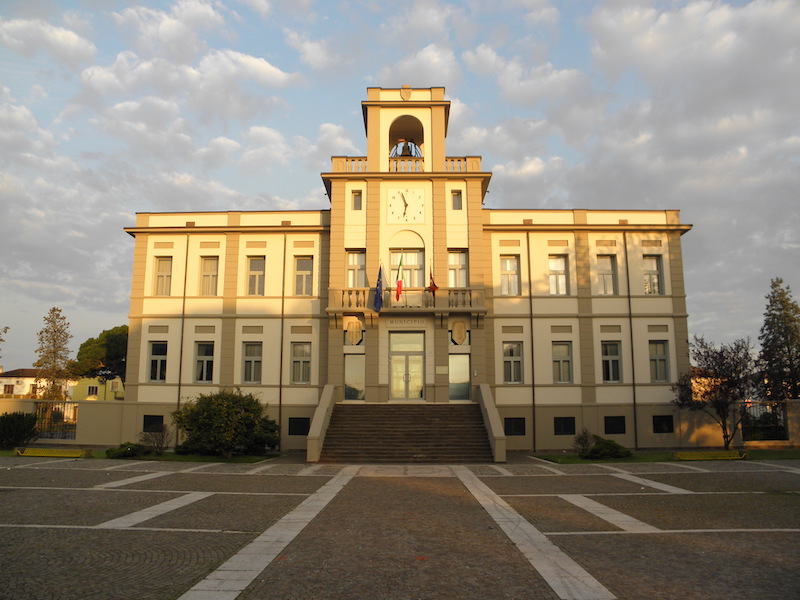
{"points": [[109, 108]]}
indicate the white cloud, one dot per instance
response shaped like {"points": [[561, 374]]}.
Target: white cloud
{"points": [[316, 54], [218, 152], [266, 148], [262, 7], [30, 37], [433, 65], [173, 34]]}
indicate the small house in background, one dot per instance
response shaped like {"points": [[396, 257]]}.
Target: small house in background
{"points": [[21, 383], [91, 388]]}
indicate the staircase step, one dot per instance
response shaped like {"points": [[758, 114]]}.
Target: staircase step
{"points": [[419, 433]]}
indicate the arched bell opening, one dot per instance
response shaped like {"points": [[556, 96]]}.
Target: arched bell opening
{"points": [[406, 138]]}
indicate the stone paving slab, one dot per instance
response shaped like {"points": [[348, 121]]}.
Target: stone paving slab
{"points": [[711, 511], [92, 564], [732, 482], [562, 484], [72, 507], [691, 566], [228, 512], [233, 483], [58, 478], [401, 538], [551, 513]]}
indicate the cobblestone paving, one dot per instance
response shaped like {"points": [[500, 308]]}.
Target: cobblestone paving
{"points": [[113, 530]]}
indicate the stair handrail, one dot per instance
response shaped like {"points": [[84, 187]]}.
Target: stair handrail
{"points": [[319, 424], [491, 418]]}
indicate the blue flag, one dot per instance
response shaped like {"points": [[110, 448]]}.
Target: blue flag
{"points": [[379, 290]]}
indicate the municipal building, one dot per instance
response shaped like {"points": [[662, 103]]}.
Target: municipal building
{"points": [[407, 291]]}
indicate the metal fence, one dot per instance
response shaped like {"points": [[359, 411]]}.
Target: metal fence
{"points": [[764, 421], [56, 420]]}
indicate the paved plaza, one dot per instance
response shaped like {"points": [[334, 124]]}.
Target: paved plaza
{"points": [[282, 529]]}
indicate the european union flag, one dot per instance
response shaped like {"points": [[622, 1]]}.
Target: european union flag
{"points": [[379, 290]]}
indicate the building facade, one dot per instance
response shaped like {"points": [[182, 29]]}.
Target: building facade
{"points": [[569, 318]]}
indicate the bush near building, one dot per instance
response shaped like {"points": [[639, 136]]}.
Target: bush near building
{"points": [[226, 423], [17, 429]]}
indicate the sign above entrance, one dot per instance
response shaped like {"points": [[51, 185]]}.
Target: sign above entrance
{"points": [[394, 322]]}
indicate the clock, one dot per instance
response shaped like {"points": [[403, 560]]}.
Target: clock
{"points": [[406, 205]]}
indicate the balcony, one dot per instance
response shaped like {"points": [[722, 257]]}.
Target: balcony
{"points": [[413, 300], [405, 164]]}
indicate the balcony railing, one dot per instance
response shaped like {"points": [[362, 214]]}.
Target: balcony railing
{"points": [[405, 164], [415, 299]]}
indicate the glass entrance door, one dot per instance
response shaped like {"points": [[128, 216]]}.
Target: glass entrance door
{"points": [[406, 366]]}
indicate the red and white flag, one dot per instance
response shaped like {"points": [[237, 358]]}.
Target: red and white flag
{"points": [[399, 280]]}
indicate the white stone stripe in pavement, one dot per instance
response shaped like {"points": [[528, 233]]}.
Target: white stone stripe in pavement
{"points": [[653, 484], [260, 469], [198, 467], [566, 577], [615, 517], [137, 479], [546, 465], [140, 516], [502, 471], [127, 464], [775, 466], [239, 571]]}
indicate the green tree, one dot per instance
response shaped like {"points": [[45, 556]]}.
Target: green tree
{"points": [[780, 343], [103, 356], [53, 352], [722, 378], [226, 423]]}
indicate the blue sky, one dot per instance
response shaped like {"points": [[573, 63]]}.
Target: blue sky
{"points": [[112, 108]]}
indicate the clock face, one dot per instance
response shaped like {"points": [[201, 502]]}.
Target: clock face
{"points": [[406, 205]]}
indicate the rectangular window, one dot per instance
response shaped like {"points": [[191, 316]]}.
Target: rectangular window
{"points": [[458, 374], [509, 276], [563, 425], [611, 352], [357, 200], [153, 423], [663, 424], [204, 368], [301, 362], [457, 200], [514, 425], [354, 376], [8, 389], [299, 425], [607, 274], [512, 362], [558, 275], [158, 361], [163, 276], [356, 269], [210, 273], [457, 269], [653, 281], [659, 371], [562, 362], [256, 266], [413, 273], [252, 362], [91, 390], [303, 275], [614, 425]]}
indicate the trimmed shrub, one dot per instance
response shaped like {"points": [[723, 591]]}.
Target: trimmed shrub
{"points": [[226, 423], [17, 429], [127, 450], [604, 448]]}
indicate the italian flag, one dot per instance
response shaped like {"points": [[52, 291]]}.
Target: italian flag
{"points": [[399, 279]]}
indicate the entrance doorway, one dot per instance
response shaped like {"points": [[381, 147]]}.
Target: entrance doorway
{"points": [[406, 365]]}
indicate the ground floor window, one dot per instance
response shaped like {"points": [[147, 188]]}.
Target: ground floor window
{"points": [[459, 376], [299, 425], [614, 425], [152, 422], [354, 376], [663, 424], [564, 425], [301, 362], [514, 425]]}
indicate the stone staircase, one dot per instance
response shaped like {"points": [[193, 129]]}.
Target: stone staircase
{"points": [[406, 433]]}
